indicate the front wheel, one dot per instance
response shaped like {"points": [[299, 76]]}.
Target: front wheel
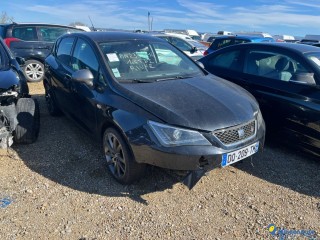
{"points": [[119, 158], [33, 70]]}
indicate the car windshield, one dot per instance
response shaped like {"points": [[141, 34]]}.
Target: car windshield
{"points": [[146, 61], [314, 57]]}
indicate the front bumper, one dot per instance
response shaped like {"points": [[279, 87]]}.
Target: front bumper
{"points": [[147, 149]]}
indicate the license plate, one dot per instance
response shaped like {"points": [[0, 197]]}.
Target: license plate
{"points": [[230, 158]]}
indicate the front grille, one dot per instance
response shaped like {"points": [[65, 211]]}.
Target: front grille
{"points": [[236, 134]]}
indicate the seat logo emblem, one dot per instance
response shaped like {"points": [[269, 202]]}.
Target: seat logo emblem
{"points": [[241, 133]]}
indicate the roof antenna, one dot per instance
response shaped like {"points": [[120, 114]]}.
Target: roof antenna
{"points": [[93, 28]]}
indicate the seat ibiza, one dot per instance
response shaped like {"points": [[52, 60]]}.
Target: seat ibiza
{"points": [[148, 103]]}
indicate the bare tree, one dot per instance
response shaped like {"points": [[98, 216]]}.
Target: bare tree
{"points": [[5, 18]]}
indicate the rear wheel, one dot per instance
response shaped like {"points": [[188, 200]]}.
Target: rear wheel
{"points": [[120, 160], [28, 116], [33, 70]]}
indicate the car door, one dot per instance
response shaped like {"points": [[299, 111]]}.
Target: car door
{"points": [[59, 66], [285, 86], [83, 96], [285, 100]]}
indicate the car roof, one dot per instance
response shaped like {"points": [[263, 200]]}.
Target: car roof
{"points": [[103, 36], [241, 37], [159, 35], [296, 47], [36, 24]]}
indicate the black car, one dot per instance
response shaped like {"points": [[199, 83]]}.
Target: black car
{"points": [[33, 42], [228, 40], [284, 78], [150, 104], [19, 113]]}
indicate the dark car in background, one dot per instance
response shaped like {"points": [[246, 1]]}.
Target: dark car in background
{"points": [[19, 113], [33, 42], [284, 78], [224, 41], [148, 103]]}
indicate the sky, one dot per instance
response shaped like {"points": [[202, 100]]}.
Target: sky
{"points": [[290, 17]]}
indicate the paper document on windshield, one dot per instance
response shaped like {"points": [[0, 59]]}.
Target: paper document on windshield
{"points": [[112, 57]]}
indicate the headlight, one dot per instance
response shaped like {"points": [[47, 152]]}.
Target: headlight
{"points": [[259, 118], [170, 136]]}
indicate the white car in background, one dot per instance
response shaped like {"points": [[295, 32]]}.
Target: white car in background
{"points": [[192, 48], [193, 34], [183, 36]]}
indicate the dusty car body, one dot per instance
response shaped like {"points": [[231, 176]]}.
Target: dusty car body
{"points": [[148, 103]]}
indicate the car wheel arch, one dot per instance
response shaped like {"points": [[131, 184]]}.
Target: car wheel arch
{"points": [[111, 124]]}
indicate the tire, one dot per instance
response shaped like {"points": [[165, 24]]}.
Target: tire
{"points": [[33, 71], [53, 109], [28, 116], [119, 157]]}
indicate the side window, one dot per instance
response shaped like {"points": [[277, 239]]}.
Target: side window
{"points": [[182, 45], [220, 43], [238, 41], [50, 34], [274, 65], [85, 58], [64, 50], [25, 33], [229, 60]]}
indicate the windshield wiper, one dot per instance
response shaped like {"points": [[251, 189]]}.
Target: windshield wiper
{"points": [[134, 81], [175, 77], [141, 81]]}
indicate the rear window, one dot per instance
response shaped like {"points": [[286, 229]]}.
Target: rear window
{"points": [[50, 34], [220, 43], [238, 41], [308, 40], [25, 33]]}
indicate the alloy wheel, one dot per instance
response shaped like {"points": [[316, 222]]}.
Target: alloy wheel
{"points": [[34, 71], [114, 155]]}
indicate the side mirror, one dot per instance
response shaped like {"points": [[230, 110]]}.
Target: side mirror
{"points": [[193, 50], [84, 76], [21, 61]]}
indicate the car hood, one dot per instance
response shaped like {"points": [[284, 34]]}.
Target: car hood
{"points": [[205, 103], [8, 78]]}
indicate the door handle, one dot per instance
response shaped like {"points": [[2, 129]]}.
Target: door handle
{"points": [[67, 77]]}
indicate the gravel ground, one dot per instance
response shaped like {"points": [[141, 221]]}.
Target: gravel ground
{"points": [[57, 188]]}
